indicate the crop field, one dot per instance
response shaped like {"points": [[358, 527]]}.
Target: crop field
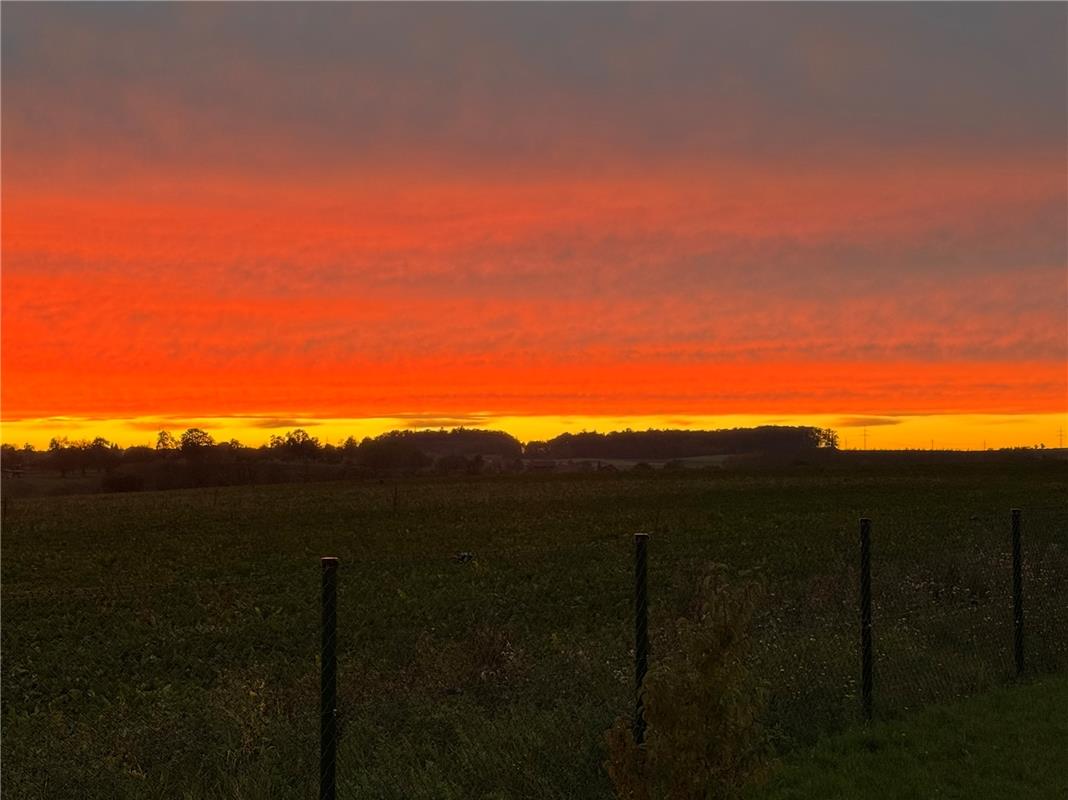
{"points": [[164, 645]]}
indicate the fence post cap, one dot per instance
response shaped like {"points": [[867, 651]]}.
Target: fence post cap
{"points": [[329, 561], [642, 535]]}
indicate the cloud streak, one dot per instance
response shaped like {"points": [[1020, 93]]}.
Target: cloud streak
{"points": [[865, 422]]}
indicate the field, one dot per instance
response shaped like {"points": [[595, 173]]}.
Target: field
{"points": [[164, 644], [1008, 742]]}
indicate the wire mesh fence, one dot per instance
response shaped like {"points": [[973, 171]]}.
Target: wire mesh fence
{"points": [[942, 620]]}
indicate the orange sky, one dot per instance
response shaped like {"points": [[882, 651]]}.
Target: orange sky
{"points": [[530, 218]]}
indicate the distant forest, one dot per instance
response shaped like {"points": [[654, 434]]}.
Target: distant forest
{"points": [[670, 444], [195, 458]]}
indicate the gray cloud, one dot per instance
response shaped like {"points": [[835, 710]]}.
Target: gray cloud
{"points": [[865, 422], [274, 422], [505, 86]]}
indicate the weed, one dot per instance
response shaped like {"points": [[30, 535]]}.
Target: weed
{"points": [[704, 740]]}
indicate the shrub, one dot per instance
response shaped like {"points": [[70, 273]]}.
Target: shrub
{"points": [[703, 739]]}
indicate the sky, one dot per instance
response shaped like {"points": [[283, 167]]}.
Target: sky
{"points": [[540, 217]]}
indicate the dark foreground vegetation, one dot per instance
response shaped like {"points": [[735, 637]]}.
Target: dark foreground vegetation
{"points": [[163, 645]]}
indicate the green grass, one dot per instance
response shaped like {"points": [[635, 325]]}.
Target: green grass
{"points": [[1006, 743], [163, 645]]}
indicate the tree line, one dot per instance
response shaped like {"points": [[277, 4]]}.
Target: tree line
{"points": [[195, 458], [396, 450], [674, 443]]}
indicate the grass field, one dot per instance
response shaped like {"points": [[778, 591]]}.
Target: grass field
{"points": [[1009, 742], [164, 644]]}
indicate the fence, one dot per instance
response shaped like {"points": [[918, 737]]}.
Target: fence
{"points": [[962, 613]]}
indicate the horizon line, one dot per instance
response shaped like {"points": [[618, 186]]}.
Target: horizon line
{"points": [[964, 432]]}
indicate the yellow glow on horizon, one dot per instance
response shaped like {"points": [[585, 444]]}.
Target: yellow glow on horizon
{"points": [[942, 431]]}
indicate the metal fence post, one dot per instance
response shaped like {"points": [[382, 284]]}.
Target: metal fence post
{"points": [[328, 684], [641, 633], [865, 617], [1017, 595]]}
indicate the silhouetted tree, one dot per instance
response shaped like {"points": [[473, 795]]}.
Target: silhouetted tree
{"points": [[330, 454], [350, 447], [64, 456], [536, 449], [298, 444], [102, 454], [195, 442], [10, 457], [392, 451], [138, 454]]}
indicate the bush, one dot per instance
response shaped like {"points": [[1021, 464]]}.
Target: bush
{"points": [[703, 738]]}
